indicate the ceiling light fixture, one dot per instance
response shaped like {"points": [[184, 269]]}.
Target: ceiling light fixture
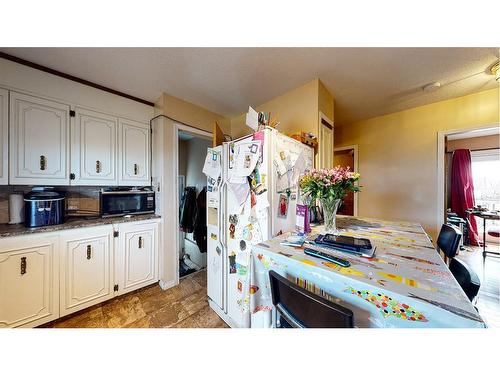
{"points": [[495, 71], [431, 87]]}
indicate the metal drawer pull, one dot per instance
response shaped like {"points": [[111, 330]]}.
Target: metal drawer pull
{"points": [[23, 265], [98, 166], [43, 162], [140, 242], [136, 168], [89, 251]]}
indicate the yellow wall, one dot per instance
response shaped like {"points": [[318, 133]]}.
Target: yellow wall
{"points": [[296, 110], [325, 101], [164, 168], [398, 155], [191, 114]]}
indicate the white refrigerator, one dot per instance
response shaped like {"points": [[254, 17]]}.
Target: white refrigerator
{"points": [[246, 210]]}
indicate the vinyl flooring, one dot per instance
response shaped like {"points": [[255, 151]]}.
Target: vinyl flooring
{"points": [[488, 270], [182, 306]]}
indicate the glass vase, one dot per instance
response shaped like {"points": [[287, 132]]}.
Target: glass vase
{"points": [[330, 207]]}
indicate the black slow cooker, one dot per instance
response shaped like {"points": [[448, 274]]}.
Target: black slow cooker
{"points": [[42, 208]]}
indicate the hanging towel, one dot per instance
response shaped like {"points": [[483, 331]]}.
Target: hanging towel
{"points": [[200, 225], [188, 210]]}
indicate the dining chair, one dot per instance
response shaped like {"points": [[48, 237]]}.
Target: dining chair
{"points": [[297, 307], [466, 277], [449, 241]]}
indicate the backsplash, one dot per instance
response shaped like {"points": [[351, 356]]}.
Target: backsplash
{"points": [[78, 198]]}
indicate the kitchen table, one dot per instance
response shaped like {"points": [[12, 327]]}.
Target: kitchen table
{"points": [[406, 284]]}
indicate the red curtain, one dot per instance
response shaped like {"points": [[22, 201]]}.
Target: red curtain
{"points": [[462, 190]]}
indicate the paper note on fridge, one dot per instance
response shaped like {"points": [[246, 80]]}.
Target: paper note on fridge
{"points": [[252, 119], [240, 191], [246, 156], [280, 167], [212, 166], [299, 168]]}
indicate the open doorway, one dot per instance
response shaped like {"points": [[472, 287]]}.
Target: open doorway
{"points": [[482, 147], [347, 157], [192, 245]]}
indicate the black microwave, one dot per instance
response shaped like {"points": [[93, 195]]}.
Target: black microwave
{"points": [[126, 202]]}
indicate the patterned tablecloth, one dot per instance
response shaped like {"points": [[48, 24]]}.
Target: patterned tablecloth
{"points": [[406, 284]]}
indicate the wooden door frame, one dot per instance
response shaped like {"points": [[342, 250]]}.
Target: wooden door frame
{"points": [[197, 133], [441, 149], [356, 167], [321, 117]]}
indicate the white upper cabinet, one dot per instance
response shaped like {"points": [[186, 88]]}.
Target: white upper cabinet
{"points": [[39, 141], [4, 137], [134, 153], [94, 148]]}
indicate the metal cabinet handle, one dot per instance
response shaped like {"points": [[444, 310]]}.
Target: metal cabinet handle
{"points": [[23, 265], [98, 166], [140, 242], [136, 168], [43, 162], [89, 251]]}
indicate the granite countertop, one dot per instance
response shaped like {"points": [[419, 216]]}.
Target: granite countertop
{"points": [[10, 230]]}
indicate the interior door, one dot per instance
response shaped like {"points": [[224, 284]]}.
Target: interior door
{"points": [[4, 137], [29, 293], [94, 148], [135, 151], [39, 132], [325, 142], [86, 268], [138, 256]]}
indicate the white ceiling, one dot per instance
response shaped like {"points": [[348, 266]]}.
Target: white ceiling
{"points": [[366, 82]]}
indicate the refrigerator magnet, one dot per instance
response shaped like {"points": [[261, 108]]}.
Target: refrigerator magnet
{"points": [[283, 206]]}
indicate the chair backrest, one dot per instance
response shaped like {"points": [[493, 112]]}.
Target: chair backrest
{"points": [[303, 309], [466, 277], [449, 240]]}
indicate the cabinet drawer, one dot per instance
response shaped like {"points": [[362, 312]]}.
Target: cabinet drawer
{"points": [[86, 268], [29, 290]]}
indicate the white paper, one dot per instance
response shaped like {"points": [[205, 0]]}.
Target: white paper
{"points": [[299, 168], [212, 167], [240, 191], [283, 183], [246, 157], [280, 167], [252, 119]]}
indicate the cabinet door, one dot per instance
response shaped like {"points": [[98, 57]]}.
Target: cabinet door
{"points": [[4, 137], [29, 281], [86, 268], [135, 151], [138, 249], [94, 148], [39, 131]]}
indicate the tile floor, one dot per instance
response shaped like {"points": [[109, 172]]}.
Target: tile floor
{"points": [[183, 306], [488, 270]]}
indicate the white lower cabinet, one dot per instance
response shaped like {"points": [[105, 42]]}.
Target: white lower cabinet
{"points": [[29, 280], [86, 268], [137, 262], [44, 277]]}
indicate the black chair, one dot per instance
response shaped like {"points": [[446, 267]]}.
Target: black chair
{"points": [[466, 277], [299, 308], [449, 241]]}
